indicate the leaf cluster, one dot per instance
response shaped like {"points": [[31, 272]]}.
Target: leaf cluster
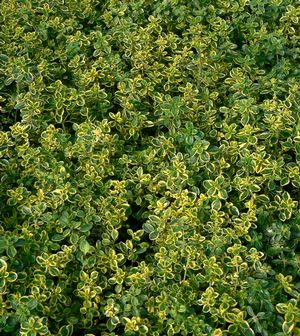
{"points": [[149, 167]]}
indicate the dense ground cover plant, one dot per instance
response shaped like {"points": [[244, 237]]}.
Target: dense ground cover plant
{"points": [[149, 165]]}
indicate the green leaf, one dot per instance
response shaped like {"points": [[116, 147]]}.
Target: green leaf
{"points": [[32, 304], [234, 211], [20, 105], [248, 332], [212, 191], [11, 324], [12, 277], [26, 211], [288, 327], [3, 243], [74, 238], [106, 242], [282, 216], [3, 58], [65, 331], [154, 218], [114, 234], [57, 237], [54, 271], [85, 227], [216, 204], [223, 194], [207, 184], [233, 329], [11, 251], [243, 195], [153, 235], [84, 246], [112, 323], [148, 227]]}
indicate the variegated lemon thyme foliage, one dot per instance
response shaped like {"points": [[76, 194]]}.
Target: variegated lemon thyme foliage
{"points": [[149, 166]]}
